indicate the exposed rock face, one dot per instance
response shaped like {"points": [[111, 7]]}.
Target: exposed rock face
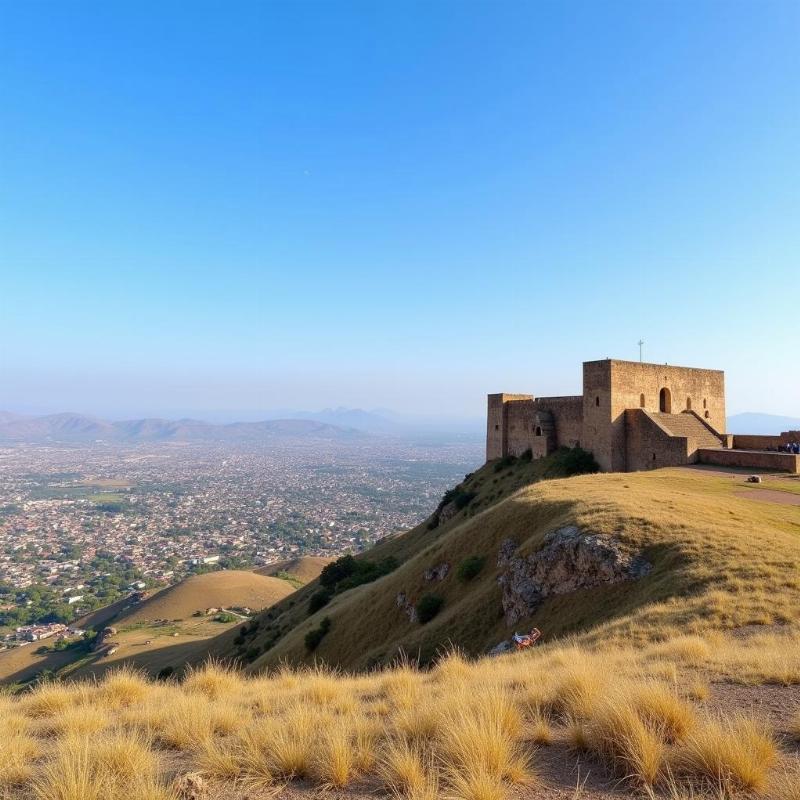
{"points": [[437, 573], [568, 560], [447, 512], [405, 605], [499, 649]]}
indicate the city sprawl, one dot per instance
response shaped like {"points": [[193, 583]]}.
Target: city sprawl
{"points": [[82, 526]]}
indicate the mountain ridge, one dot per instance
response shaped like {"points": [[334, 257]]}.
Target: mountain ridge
{"points": [[83, 428]]}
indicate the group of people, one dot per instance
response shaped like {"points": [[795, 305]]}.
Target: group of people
{"points": [[789, 447]]}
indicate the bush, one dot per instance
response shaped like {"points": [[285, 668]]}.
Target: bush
{"points": [[319, 600], [367, 572], [470, 567], [316, 635], [428, 607], [224, 616], [347, 572], [337, 571], [569, 461], [504, 462]]}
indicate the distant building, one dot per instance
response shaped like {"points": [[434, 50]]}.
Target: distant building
{"points": [[633, 416]]}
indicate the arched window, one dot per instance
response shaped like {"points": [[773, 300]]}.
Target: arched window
{"points": [[538, 431], [597, 401], [706, 415], [688, 403], [705, 403], [665, 401], [641, 401]]}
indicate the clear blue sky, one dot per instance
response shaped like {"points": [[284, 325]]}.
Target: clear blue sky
{"points": [[238, 205]]}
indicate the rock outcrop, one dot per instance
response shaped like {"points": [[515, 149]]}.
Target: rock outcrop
{"points": [[569, 559], [447, 512], [437, 573], [405, 605]]}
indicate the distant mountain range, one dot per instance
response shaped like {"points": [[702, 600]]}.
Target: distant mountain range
{"points": [[762, 424], [69, 427]]}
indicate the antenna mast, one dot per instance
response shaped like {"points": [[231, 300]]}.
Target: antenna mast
{"points": [[641, 344]]}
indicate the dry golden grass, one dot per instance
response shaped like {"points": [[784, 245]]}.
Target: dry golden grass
{"points": [[736, 752], [794, 726], [213, 680], [538, 729], [77, 721], [123, 687], [291, 743], [16, 762], [633, 750], [335, 760], [465, 730], [473, 782], [403, 769], [660, 706], [785, 785]]}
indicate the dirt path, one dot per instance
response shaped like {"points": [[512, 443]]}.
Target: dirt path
{"points": [[770, 496]]}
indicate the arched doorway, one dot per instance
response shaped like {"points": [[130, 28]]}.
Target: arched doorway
{"points": [[665, 401]]}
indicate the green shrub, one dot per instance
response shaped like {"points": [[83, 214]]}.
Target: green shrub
{"points": [[319, 600], [225, 616], [428, 607], [337, 571], [470, 567], [347, 572], [570, 461], [316, 635], [504, 462]]}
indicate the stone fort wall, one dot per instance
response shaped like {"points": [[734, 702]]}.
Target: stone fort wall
{"points": [[610, 387], [519, 422], [596, 420]]}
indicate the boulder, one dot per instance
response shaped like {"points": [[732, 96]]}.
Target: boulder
{"points": [[569, 559], [501, 648]]}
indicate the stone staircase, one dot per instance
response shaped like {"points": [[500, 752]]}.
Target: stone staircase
{"points": [[688, 425]]}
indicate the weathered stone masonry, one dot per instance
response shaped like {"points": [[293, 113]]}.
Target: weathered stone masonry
{"points": [[631, 416]]}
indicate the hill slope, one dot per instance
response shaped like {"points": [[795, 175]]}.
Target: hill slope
{"points": [[713, 558], [304, 568], [213, 589], [158, 632]]}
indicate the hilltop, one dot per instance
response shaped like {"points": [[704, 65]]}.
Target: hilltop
{"points": [[691, 529], [302, 569], [221, 589]]}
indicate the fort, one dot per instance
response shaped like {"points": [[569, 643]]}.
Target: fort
{"points": [[634, 416]]}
